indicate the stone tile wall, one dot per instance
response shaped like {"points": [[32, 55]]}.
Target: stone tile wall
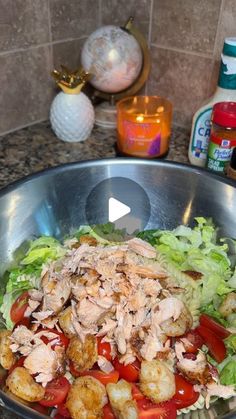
{"points": [[185, 38]]}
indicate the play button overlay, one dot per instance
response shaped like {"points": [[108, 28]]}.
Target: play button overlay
{"points": [[120, 201], [116, 210]]}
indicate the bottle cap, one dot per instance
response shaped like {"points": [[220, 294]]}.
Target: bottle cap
{"points": [[229, 47], [224, 114]]}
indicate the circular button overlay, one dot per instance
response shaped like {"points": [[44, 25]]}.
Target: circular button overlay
{"points": [[119, 201]]}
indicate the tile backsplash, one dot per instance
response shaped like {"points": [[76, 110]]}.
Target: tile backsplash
{"points": [[185, 38]]}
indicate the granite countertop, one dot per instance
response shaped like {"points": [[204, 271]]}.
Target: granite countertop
{"points": [[36, 148]]}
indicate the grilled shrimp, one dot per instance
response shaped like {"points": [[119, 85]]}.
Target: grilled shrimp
{"points": [[7, 358], [65, 322], [228, 306], [83, 354], [157, 382], [179, 326], [128, 411], [23, 385], [86, 398], [120, 397]]}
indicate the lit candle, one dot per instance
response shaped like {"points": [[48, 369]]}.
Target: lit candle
{"points": [[143, 124]]}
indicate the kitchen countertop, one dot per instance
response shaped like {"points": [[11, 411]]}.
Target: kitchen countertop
{"points": [[36, 148]]}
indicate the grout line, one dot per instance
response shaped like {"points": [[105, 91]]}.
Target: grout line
{"points": [[50, 35], [99, 13], [183, 51], [22, 127], [46, 44], [215, 48], [149, 41], [218, 28], [150, 24]]}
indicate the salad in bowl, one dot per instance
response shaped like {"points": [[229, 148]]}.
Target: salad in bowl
{"points": [[108, 326]]}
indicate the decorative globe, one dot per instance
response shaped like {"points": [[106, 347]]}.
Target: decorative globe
{"points": [[113, 57]]}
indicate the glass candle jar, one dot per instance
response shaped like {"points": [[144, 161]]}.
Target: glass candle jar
{"points": [[144, 126]]}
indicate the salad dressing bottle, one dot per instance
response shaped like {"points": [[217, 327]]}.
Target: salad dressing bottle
{"points": [[225, 92]]}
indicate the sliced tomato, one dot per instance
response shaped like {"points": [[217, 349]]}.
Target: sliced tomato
{"points": [[185, 394], [25, 321], [60, 340], [39, 408], [104, 349], [18, 363], [73, 369], [215, 327], [18, 307], [215, 345], [107, 412], [128, 372], [195, 340], [104, 378], [55, 392], [190, 355], [149, 410], [63, 411], [136, 393]]}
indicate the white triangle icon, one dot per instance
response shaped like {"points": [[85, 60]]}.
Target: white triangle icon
{"points": [[117, 209]]}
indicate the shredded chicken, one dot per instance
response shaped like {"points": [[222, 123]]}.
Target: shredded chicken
{"points": [[195, 370], [44, 362]]}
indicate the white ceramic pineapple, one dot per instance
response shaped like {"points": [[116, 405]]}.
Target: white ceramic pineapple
{"points": [[71, 113]]}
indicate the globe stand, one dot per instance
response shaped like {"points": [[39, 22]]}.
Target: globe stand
{"points": [[105, 115], [105, 112]]}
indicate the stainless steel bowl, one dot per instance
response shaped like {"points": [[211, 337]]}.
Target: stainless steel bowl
{"points": [[53, 202]]}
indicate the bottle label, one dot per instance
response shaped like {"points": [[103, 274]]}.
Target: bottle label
{"points": [[219, 152], [201, 134], [227, 76]]}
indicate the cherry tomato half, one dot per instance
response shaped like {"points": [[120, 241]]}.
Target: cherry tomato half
{"points": [[18, 363], [128, 372], [19, 306], [39, 408], [104, 378], [149, 410], [104, 349], [55, 392], [215, 345], [136, 393], [185, 395], [215, 327], [63, 411], [107, 412], [60, 340], [25, 321], [195, 341]]}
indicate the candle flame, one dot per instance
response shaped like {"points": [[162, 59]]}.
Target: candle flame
{"points": [[139, 118]]}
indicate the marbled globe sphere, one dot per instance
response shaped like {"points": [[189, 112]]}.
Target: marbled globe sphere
{"points": [[113, 57]]}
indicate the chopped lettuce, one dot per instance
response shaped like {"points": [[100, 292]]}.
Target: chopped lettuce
{"points": [[197, 249], [228, 373], [104, 233], [42, 250], [230, 343], [27, 275], [20, 280]]}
